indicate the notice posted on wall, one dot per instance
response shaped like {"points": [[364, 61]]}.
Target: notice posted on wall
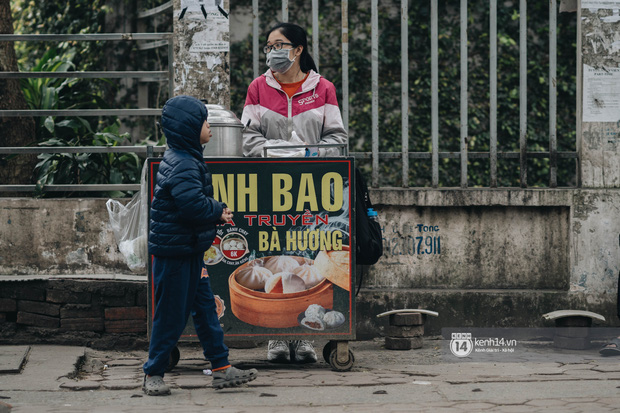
{"points": [[600, 4], [601, 94], [207, 24]]}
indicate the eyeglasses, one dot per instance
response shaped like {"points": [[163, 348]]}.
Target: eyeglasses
{"points": [[275, 46]]}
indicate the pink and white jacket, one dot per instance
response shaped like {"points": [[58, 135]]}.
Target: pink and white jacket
{"points": [[312, 113]]}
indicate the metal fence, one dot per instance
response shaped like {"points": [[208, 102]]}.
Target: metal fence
{"points": [[154, 40], [434, 155]]}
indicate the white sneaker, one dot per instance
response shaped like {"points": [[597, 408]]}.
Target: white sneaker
{"points": [[304, 351], [278, 351]]}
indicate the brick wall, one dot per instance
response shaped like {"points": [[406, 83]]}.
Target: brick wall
{"points": [[98, 313]]}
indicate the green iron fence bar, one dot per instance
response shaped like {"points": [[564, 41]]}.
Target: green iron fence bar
{"points": [[153, 45], [155, 10], [81, 112], [159, 39], [86, 75], [71, 188], [84, 37], [148, 150], [457, 155]]}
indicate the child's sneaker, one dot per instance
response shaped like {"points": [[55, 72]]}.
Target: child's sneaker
{"points": [[155, 386], [278, 351], [232, 377]]}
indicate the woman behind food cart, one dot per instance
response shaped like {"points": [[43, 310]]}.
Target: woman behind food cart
{"points": [[291, 104]]}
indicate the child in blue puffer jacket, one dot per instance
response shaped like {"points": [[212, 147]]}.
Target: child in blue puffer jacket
{"points": [[182, 227]]}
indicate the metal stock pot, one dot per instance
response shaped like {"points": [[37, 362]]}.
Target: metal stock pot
{"points": [[227, 131]]}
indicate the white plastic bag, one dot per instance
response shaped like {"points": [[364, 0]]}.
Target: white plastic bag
{"points": [[283, 152], [130, 227]]}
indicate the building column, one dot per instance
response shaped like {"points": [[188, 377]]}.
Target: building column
{"points": [[201, 50], [598, 108]]}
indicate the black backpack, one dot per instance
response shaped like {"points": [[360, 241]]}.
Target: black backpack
{"points": [[367, 231]]}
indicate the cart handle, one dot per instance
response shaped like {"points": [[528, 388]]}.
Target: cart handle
{"points": [[344, 147]]}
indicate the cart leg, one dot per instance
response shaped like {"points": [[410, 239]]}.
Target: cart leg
{"points": [[341, 358], [175, 355], [327, 351]]}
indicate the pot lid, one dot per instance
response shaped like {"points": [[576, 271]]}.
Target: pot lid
{"points": [[223, 117]]}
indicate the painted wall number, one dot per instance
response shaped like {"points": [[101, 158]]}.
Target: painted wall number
{"points": [[424, 240]]}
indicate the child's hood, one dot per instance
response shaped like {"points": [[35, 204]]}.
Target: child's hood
{"points": [[182, 118]]}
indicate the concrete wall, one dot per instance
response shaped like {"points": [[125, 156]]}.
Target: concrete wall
{"points": [[479, 257], [507, 256], [57, 236]]}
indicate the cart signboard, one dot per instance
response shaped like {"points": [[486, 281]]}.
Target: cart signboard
{"points": [[284, 267]]}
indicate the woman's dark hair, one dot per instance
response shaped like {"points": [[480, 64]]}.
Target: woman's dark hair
{"points": [[297, 35]]}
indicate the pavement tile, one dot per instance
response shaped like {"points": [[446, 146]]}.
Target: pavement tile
{"points": [[593, 374], [607, 367], [93, 377], [595, 407], [543, 365], [585, 407], [585, 399], [546, 403], [80, 385], [360, 381], [611, 401], [125, 362], [12, 358], [117, 377], [392, 380], [546, 377], [579, 366], [476, 407], [442, 404], [290, 382], [389, 408], [403, 408], [122, 384], [392, 375], [329, 373], [293, 375], [329, 382], [513, 408], [548, 371], [121, 371], [192, 382], [446, 409]]}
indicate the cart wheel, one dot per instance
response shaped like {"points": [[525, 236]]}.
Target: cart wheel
{"points": [[175, 355], [336, 365], [327, 351]]}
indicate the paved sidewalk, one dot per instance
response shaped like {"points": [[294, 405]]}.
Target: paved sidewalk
{"points": [[389, 381]]}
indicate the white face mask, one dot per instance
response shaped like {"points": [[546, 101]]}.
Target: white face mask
{"points": [[278, 60]]}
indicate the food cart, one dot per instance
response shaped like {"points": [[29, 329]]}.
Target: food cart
{"points": [[284, 267]]}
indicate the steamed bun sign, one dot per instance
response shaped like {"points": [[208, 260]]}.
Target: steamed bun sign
{"points": [[284, 264]]}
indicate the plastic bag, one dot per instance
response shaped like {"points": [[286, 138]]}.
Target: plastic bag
{"points": [[281, 152], [130, 227]]}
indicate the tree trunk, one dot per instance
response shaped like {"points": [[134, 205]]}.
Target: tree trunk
{"points": [[14, 131]]}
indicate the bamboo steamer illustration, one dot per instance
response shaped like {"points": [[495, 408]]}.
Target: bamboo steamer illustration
{"points": [[272, 291]]}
